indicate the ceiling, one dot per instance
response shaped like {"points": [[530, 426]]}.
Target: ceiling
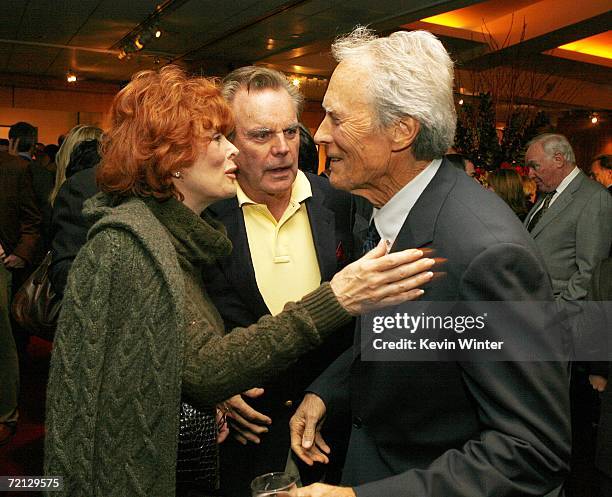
{"points": [[41, 40]]}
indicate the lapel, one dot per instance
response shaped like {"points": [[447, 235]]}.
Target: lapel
{"points": [[536, 206], [238, 268], [559, 204], [323, 228], [418, 229]]}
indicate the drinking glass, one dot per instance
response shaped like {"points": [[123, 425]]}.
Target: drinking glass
{"points": [[273, 485]]}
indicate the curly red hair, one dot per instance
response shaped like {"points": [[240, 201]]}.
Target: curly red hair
{"points": [[159, 123]]}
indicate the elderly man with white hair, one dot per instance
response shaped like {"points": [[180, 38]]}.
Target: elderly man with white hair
{"points": [[457, 428], [572, 221]]}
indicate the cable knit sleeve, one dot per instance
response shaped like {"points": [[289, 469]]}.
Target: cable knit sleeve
{"points": [[217, 367], [114, 383]]}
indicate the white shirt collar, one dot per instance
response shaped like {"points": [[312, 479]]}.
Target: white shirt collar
{"points": [[564, 184], [390, 218]]}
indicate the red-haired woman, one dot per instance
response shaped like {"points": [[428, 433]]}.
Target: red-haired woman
{"points": [[140, 357]]}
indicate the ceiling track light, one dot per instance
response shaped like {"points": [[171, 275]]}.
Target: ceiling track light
{"points": [[71, 76], [140, 39]]}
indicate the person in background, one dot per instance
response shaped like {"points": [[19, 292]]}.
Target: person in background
{"points": [[79, 133], [309, 154], [508, 185], [530, 189], [599, 378], [462, 162], [570, 223], [43, 179], [69, 227], [19, 241], [50, 152], [601, 170], [22, 140], [138, 337], [601, 289], [85, 155]]}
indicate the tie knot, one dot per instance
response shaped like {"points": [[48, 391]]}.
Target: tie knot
{"points": [[548, 197], [372, 238], [536, 217]]}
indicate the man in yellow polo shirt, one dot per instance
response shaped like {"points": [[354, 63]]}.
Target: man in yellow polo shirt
{"points": [[290, 231]]}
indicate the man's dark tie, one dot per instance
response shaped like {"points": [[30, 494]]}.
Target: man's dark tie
{"points": [[372, 238], [538, 215]]}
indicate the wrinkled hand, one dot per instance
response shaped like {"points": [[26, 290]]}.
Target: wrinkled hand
{"points": [[598, 383], [379, 279], [305, 429], [322, 490], [247, 424], [14, 261]]}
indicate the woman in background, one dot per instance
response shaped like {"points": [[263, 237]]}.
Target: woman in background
{"points": [[69, 227], [76, 135], [508, 185], [530, 188], [141, 357]]}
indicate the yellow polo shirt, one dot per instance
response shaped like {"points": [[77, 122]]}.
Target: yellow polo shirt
{"points": [[283, 252]]}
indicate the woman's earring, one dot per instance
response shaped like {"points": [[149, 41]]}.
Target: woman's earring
{"points": [[177, 174]]}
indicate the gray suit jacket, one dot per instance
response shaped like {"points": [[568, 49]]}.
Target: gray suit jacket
{"points": [[574, 235]]}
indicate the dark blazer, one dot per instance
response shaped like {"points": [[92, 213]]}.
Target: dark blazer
{"points": [[463, 428], [233, 289], [68, 227], [20, 217], [601, 289], [42, 183], [573, 235]]}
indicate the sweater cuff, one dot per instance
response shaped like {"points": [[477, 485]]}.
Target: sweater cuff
{"points": [[325, 310]]}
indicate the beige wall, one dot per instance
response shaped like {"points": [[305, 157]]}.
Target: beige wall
{"points": [[50, 123], [53, 111]]}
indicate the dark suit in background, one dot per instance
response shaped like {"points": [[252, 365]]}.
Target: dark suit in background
{"points": [[19, 215], [233, 289], [19, 235], [464, 429], [601, 289], [42, 183]]}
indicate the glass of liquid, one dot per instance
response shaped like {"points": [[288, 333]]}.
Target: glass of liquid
{"points": [[273, 485]]}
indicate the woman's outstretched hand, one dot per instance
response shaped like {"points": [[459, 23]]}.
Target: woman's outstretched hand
{"points": [[379, 279]]}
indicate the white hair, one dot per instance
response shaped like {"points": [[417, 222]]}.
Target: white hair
{"points": [[412, 75], [555, 144]]}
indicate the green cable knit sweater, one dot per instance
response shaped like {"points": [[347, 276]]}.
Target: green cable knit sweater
{"points": [[137, 332]]}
